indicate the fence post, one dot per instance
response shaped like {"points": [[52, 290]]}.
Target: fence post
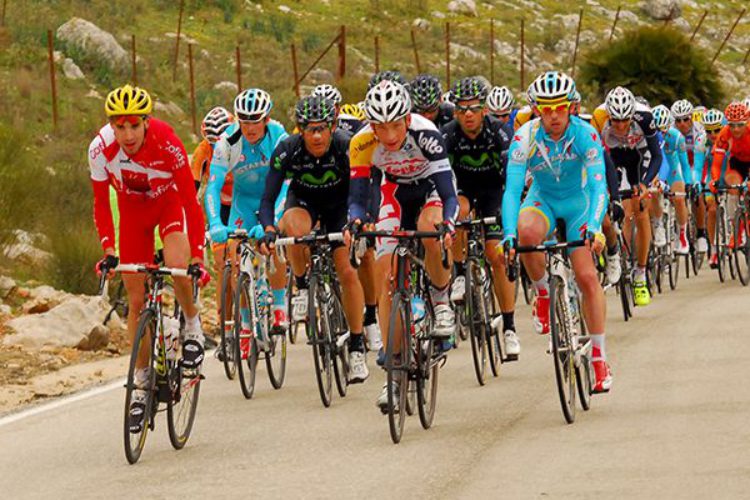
{"points": [[523, 54], [614, 23], [238, 63], [448, 54], [133, 56], [177, 42], [728, 35], [416, 51], [50, 50], [2, 17], [192, 88], [342, 53], [747, 55], [296, 71], [578, 38], [698, 26], [377, 54], [492, 51]]}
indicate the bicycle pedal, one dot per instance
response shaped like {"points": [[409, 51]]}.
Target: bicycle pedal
{"points": [[510, 357]]}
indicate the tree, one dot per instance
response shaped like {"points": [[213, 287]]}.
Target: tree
{"points": [[660, 64]]}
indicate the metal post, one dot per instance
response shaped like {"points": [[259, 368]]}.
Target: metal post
{"points": [[342, 53], [377, 54], [575, 49], [698, 26], [416, 51], [177, 42], [50, 50], [728, 35], [614, 23], [2, 17], [448, 54], [133, 56], [523, 54], [296, 71], [192, 88], [747, 55], [238, 62], [492, 51]]}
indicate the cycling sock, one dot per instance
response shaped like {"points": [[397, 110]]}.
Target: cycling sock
{"points": [[439, 295], [279, 297], [356, 342], [370, 317], [612, 250], [509, 321], [640, 273], [193, 327], [542, 285], [597, 347], [460, 268], [702, 233], [141, 377], [301, 282]]}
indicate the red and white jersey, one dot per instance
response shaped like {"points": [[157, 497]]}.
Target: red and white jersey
{"points": [[160, 165]]}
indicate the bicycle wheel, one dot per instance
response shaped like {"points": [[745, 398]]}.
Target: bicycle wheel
{"points": [[248, 370], [289, 294], [397, 364], [584, 381], [730, 251], [427, 381], [463, 327], [528, 290], [185, 386], [134, 442], [742, 251], [276, 357], [562, 349], [674, 269], [319, 335], [495, 345], [721, 243], [475, 319], [341, 348], [226, 319]]}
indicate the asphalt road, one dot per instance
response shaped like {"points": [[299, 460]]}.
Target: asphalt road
{"points": [[674, 426]]}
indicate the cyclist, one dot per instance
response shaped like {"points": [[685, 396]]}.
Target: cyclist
{"points": [[713, 121], [408, 150], [675, 172], [316, 160], [244, 150], [477, 146], [426, 98], [629, 135], [563, 156], [345, 120], [146, 163], [500, 103], [695, 142]]}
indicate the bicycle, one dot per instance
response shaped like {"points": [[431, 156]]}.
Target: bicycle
{"points": [[724, 228], [168, 381], [412, 357], [253, 295], [479, 307], [741, 247], [667, 260], [696, 257], [326, 327], [631, 250], [571, 348], [625, 284]]}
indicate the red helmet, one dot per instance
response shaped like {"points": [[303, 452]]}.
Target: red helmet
{"points": [[736, 112]]}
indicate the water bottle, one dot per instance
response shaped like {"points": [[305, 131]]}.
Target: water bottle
{"points": [[264, 293], [171, 337], [418, 310]]}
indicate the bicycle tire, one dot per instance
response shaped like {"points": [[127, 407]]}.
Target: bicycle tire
{"points": [[397, 371], [289, 309], [475, 322], [742, 253], [135, 442], [318, 331], [184, 392], [275, 355], [341, 352], [427, 382], [721, 243], [247, 380], [584, 373], [227, 327], [561, 353]]}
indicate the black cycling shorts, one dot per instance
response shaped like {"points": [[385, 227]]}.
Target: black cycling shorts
{"points": [[486, 203], [332, 216]]}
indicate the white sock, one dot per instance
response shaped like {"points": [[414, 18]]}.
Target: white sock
{"points": [[193, 329], [542, 285], [597, 347]]}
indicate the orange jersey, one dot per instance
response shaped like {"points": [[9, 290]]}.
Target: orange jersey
{"points": [[737, 148], [201, 166]]}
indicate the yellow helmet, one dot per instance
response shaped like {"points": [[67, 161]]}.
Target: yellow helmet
{"points": [[698, 113], [354, 110], [127, 100]]}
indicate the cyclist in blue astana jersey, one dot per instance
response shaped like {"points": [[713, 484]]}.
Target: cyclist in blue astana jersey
{"points": [[566, 161], [245, 150], [675, 172]]}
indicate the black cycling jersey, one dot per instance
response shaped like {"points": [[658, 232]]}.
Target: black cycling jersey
{"points": [[445, 114]]}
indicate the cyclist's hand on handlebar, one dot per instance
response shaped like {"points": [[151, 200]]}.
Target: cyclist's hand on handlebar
{"points": [[107, 265], [595, 241], [617, 211], [219, 233], [351, 229], [509, 249], [267, 240], [448, 230], [198, 271], [713, 186]]}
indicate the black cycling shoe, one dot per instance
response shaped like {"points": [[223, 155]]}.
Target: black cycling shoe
{"points": [[192, 354], [136, 416]]}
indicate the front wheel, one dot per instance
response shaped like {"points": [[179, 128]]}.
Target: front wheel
{"points": [[185, 388], [562, 348], [319, 335], [476, 320], [721, 243], [245, 345], [397, 365]]}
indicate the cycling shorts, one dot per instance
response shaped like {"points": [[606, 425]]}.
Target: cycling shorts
{"points": [[573, 211], [138, 219], [332, 217], [740, 167], [487, 203]]}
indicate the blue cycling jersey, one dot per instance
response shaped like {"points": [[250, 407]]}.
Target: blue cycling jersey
{"points": [[249, 165], [677, 167], [567, 172]]}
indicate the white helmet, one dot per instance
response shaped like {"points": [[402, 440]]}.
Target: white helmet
{"points": [[328, 92], [620, 103], [713, 118], [387, 102], [215, 123], [662, 117], [252, 105], [500, 99], [682, 109], [550, 86]]}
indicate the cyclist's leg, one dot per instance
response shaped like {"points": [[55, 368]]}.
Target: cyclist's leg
{"points": [[429, 217], [297, 221], [488, 205], [640, 207], [389, 219], [680, 204], [710, 201], [459, 244], [534, 224]]}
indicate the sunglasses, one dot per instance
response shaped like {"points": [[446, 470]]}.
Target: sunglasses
{"points": [[553, 108], [502, 115], [682, 120], [131, 119], [317, 129], [737, 124], [614, 120], [713, 130], [474, 108], [257, 118]]}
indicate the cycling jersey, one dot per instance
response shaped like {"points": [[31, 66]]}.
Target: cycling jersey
{"points": [[348, 123], [522, 116], [568, 178], [200, 166], [636, 154], [695, 143], [159, 169], [314, 182], [421, 161], [676, 168], [738, 149], [445, 114], [249, 164]]}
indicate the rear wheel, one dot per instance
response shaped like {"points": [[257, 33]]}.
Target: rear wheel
{"points": [[742, 248], [226, 320], [562, 352], [319, 333]]}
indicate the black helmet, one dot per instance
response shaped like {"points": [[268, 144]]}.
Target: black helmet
{"points": [[393, 76], [314, 108], [468, 89], [425, 92]]}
